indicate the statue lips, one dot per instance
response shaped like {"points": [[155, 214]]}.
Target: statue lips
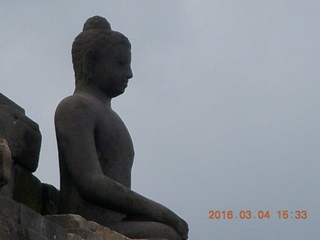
{"points": [[125, 82]]}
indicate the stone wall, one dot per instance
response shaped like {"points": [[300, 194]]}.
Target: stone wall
{"points": [[18, 222]]}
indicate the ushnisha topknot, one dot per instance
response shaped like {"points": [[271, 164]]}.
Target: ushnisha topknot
{"points": [[96, 22], [97, 37]]}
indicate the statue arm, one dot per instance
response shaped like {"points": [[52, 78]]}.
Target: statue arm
{"points": [[75, 124]]}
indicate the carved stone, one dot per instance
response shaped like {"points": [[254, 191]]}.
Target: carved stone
{"points": [[77, 226], [18, 222], [22, 134], [27, 189], [50, 199], [5, 163], [8, 102]]}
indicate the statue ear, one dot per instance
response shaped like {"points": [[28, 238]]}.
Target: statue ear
{"points": [[87, 64]]}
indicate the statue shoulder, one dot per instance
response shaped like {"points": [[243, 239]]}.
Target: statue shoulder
{"points": [[75, 108]]}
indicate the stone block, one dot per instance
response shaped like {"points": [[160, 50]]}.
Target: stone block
{"points": [[30, 219], [53, 231], [14, 231], [6, 101], [50, 199], [69, 221], [27, 189], [5, 163], [105, 232], [9, 209], [28, 234], [85, 229], [23, 136], [85, 234], [8, 189], [8, 230], [72, 236]]}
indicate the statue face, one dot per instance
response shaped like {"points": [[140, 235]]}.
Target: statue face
{"points": [[113, 70]]}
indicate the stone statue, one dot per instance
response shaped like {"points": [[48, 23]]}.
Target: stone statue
{"points": [[95, 148]]}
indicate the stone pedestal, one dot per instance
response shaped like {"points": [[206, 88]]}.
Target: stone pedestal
{"points": [[18, 222], [77, 226]]}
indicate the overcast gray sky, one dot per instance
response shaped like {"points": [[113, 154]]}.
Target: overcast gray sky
{"points": [[223, 107]]}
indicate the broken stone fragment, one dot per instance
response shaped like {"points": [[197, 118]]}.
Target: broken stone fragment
{"points": [[5, 163], [22, 134]]}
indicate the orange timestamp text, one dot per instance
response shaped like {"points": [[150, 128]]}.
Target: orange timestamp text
{"points": [[283, 214]]}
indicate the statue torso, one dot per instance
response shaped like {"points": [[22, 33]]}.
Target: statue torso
{"points": [[114, 146], [114, 149], [113, 142]]}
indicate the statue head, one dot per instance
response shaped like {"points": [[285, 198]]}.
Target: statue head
{"points": [[96, 41]]}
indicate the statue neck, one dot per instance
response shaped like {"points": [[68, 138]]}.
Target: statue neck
{"points": [[93, 91]]}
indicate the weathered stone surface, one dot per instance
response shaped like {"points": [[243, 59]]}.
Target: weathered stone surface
{"points": [[72, 236], [8, 229], [28, 234], [50, 199], [23, 136], [27, 189], [7, 190], [53, 231], [78, 226], [5, 163], [18, 222], [9, 209], [30, 219], [6, 101], [104, 232], [14, 231], [69, 221], [85, 234]]}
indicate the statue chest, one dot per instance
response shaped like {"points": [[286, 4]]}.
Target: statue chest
{"points": [[114, 147]]}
